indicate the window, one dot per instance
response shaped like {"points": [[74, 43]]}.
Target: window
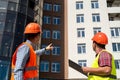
{"points": [[46, 34], [56, 7], [22, 9], [94, 4], [2, 24], [55, 67], [9, 27], [82, 63], [3, 4], [96, 30], [6, 44], [46, 52], [2, 16], [46, 20], [12, 6], [4, 69], [117, 64], [111, 18], [81, 48], [56, 35], [44, 66], [47, 6], [115, 32], [11, 16], [56, 20], [56, 50], [96, 17], [79, 5], [80, 32], [116, 47], [24, 2], [80, 18]]}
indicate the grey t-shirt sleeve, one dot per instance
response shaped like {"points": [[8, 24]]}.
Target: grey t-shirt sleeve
{"points": [[21, 60]]}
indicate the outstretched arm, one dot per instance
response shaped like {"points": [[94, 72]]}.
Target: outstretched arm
{"points": [[41, 51]]}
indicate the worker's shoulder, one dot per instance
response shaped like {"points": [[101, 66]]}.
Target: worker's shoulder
{"points": [[23, 46], [106, 53]]}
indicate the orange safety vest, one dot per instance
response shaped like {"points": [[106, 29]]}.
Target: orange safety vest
{"points": [[30, 70]]}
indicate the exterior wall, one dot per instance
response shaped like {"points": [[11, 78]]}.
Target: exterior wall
{"points": [[50, 58], [14, 15], [73, 40], [21, 13]]}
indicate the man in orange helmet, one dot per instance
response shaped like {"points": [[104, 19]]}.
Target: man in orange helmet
{"points": [[103, 67], [24, 58]]}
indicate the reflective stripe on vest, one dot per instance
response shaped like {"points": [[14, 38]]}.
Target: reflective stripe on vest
{"points": [[28, 69], [110, 76], [32, 78]]}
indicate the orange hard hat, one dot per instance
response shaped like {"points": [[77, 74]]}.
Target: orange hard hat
{"points": [[100, 38], [32, 28]]}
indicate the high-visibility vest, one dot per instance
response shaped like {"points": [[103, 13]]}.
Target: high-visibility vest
{"points": [[112, 76], [30, 70]]}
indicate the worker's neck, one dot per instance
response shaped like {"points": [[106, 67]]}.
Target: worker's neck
{"points": [[98, 50]]}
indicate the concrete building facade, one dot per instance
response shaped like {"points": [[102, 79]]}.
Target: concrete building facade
{"points": [[85, 18], [68, 24]]}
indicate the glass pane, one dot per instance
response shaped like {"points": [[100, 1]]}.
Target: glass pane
{"points": [[42, 67], [118, 46], [53, 51], [77, 6], [3, 4], [93, 18], [96, 5], [44, 34], [79, 49], [98, 18], [9, 27], [82, 19], [117, 32], [6, 45], [12, 6], [2, 16], [22, 9], [112, 32], [114, 47], [58, 51], [11, 17], [84, 64], [78, 19], [24, 2], [4, 70], [58, 67], [47, 67], [83, 34], [84, 50], [92, 5], [2, 24]]}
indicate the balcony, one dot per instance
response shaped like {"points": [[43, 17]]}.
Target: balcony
{"points": [[113, 3], [113, 9], [114, 16], [114, 19]]}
